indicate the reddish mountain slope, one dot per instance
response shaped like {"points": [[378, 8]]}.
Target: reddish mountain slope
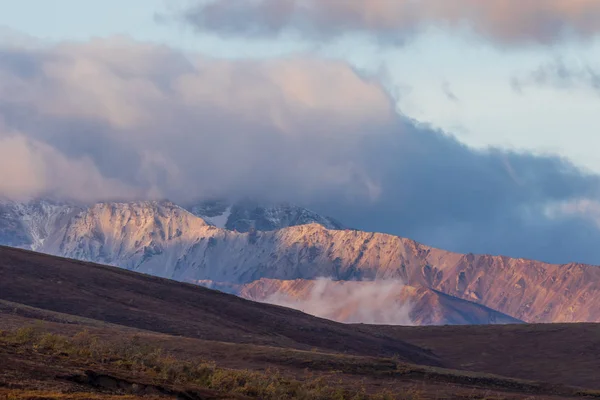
{"points": [[375, 302]]}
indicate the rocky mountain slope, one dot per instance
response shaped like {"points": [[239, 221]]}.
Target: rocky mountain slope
{"points": [[247, 215], [163, 239], [29, 224], [374, 302]]}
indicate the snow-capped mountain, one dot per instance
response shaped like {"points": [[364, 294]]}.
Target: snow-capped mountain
{"points": [[163, 239], [28, 224], [246, 215], [128, 235]]}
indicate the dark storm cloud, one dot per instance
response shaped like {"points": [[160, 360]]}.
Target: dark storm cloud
{"points": [[120, 119], [444, 193], [503, 21]]}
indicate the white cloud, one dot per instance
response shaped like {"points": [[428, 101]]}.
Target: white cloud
{"points": [[117, 118], [504, 21], [29, 168], [181, 118], [588, 209], [375, 302]]}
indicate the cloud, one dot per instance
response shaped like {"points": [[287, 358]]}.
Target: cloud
{"points": [[155, 119], [116, 118], [585, 208], [560, 75], [448, 92], [504, 21], [29, 168], [375, 302]]}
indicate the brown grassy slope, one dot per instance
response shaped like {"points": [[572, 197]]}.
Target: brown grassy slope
{"points": [[52, 360], [561, 353], [130, 299], [558, 353]]}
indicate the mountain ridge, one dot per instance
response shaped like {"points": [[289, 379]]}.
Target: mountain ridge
{"points": [[247, 215], [163, 239]]}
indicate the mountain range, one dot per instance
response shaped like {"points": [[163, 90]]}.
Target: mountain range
{"points": [[288, 255]]}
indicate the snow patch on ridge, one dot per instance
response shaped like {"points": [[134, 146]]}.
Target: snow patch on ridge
{"points": [[219, 221]]}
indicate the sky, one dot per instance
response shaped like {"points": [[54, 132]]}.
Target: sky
{"points": [[483, 108], [463, 124]]}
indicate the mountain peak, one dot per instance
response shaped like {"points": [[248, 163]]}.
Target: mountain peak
{"points": [[247, 215]]}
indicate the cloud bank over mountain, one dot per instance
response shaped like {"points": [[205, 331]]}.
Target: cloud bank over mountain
{"points": [[507, 22], [119, 119], [371, 303]]}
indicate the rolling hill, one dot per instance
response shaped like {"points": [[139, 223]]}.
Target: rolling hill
{"points": [[72, 330]]}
